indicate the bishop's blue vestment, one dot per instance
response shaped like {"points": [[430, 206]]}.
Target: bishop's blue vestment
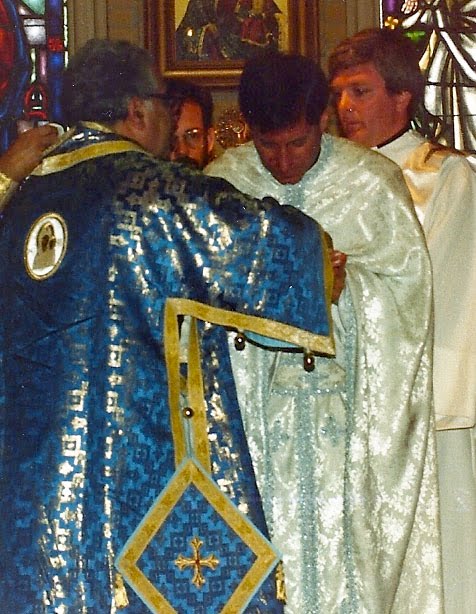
{"points": [[103, 249]]}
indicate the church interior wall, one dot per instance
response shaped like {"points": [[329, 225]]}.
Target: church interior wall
{"points": [[125, 19]]}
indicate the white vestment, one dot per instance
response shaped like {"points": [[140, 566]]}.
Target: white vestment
{"points": [[344, 456], [443, 187]]}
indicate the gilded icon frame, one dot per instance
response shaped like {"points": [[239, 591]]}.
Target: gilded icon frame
{"points": [[298, 32]]}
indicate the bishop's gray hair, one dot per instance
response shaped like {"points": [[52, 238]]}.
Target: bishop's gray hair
{"points": [[102, 77]]}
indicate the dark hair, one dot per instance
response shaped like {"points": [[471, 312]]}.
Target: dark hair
{"points": [[101, 78], [392, 53], [277, 89], [181, 91]]}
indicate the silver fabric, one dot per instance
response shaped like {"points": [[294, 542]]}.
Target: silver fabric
{"points": [[345, 456]]}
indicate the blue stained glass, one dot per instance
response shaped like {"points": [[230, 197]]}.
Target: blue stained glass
{"points": [[32, 58]]}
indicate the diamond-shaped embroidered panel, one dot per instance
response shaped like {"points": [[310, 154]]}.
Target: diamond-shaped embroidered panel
{"points": [[194, 551]]}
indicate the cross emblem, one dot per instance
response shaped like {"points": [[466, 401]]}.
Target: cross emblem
{"points": [[391, 22], [197, 562]]}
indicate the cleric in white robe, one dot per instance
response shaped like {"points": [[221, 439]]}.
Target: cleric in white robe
{"points": [[344, 456]]}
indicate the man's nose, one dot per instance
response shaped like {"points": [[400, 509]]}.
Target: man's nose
{"points": [[344, 102], [284, 159], [180, 147]]}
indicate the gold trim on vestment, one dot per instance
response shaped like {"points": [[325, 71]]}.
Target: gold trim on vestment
{"points": [[7, 187], [191, 473], [196, 399], [328, 274], [197, 424], [60, 162]]}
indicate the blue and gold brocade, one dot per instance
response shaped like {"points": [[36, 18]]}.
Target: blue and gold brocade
{"points": [[92, 246]]}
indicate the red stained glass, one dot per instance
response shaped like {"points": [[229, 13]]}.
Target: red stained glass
{"points": [[7, 49], [32, 58]]}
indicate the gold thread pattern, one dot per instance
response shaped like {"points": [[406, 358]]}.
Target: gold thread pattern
{"points": [[60, 162], [7, 187], [190, 473], [176, 307], [197, 562]]}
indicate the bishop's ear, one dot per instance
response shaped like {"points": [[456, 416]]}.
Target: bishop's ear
{"points": [[136, 113]]}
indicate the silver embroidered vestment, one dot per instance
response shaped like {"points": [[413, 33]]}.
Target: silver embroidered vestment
{"points": [[96, 246], [345, 456]]}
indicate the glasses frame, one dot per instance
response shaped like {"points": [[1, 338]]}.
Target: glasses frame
{"points": [[165, 98], [189, 136]]}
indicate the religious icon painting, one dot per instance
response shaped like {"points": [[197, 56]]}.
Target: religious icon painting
{"points": [[45, 246], [195, 551], [210, 41], [228, 30]]}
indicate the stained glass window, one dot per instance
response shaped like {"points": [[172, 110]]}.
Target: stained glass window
{"points": [[445, 31], [32, 58]]}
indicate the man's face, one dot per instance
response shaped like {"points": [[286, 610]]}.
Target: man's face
{"points": [[289, 153], [367, 112], [191, 139]]}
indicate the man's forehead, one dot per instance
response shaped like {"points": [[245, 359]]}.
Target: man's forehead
{"points": [[191, 110], [360, 73], [297, 128]]}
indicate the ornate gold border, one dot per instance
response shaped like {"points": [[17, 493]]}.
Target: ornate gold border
{"points": [[55, 163], [36, 224], [7, 187], [197, 471], [159, 26], [191, 473], [176, 307]]}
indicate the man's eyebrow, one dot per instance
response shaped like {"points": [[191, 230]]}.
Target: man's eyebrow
{"points": [[355, 81]]}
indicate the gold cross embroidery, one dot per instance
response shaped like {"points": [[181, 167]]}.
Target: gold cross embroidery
{"points": [[391, 22], [197, 562]]}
